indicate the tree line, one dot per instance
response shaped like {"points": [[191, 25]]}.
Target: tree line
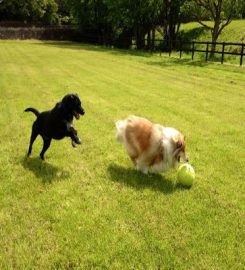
{"points": [[121, 21]]}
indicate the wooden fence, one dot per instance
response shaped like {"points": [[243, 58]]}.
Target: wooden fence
{"points": [[194, 46]]}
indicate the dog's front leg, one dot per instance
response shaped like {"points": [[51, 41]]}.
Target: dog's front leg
{"points": [[141, 166], [72, 133]]}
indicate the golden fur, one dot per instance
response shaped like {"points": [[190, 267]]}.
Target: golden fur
{"points": [[150, 146]]}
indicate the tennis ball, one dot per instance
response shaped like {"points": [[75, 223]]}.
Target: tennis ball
{"points": [[186, 175]]}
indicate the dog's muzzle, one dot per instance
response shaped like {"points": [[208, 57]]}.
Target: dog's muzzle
{"points": [[78, 113], [186, 159]]}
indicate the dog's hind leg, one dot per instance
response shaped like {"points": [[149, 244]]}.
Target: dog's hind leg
{"points": [[34, 135], [46, 144]]}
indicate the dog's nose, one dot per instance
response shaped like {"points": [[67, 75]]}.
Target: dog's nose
{"points": [[81, 111], [186, 159]]}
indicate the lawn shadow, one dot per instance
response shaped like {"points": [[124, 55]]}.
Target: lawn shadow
{"points": [[132, 52], [180, 62], [44, 171], [138, 180], [125, 52], [94, 48]]}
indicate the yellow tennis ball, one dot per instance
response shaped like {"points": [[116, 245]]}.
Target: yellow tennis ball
{"points": [[186, 175]]}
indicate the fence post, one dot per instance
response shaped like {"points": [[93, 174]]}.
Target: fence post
{"points": [[242, 51], [223, 50], [192, 55], [207, 52]]}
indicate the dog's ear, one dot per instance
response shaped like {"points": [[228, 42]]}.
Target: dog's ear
{"points": [[179, 144], [179, 141]]}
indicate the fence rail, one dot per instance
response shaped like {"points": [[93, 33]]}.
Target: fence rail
{"points": [[191, 46]]}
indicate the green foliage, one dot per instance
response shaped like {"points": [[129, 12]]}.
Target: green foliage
{"points": [[102, 19], [121, 21], [87, 208], [135, 17], [44, 11], [206, 10]]}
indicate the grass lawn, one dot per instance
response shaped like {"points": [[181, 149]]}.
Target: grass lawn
{"points": [[86, 208], [234, 32]]}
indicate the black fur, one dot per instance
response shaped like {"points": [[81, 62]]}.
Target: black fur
{"points": [[56, 123]]}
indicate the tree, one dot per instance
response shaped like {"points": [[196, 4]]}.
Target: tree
{"points": [[122, 20], [170, 18], [220, 12], [133, 18], [63, 12], [44, 11], [243, 10], [92, 18]]}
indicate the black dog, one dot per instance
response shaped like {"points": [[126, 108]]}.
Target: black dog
{"points": [[57, 123]]}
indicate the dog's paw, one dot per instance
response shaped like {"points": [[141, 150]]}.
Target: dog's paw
{"points": [[142, 168], [75, 142], [78, 141]]}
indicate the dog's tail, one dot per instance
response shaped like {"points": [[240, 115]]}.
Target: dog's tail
{"points": [[120, 126], [36, 112]]}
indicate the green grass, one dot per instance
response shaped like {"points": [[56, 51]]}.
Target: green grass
{"points": [[234, 32], [86, 208]]}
